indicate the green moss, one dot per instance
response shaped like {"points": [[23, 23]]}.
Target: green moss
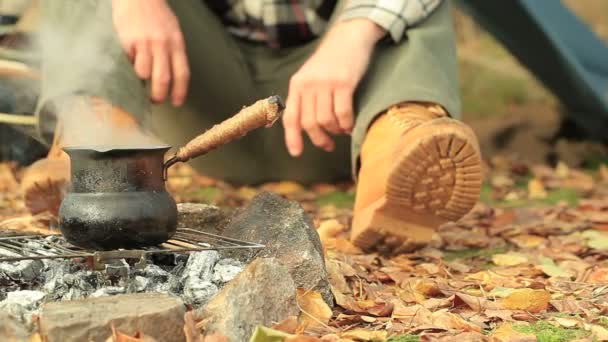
{"points": [[404, 338], [547, 332], [603, 321], [339, 199]]}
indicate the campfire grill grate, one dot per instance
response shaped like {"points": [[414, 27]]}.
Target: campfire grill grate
{"points": [[32, 247]]}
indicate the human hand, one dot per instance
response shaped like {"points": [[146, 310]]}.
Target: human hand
{"points": [[320, 98], [150, 35]]}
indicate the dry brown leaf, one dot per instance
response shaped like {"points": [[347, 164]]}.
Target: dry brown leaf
{"points": [[364, 335], [215, 338], [289, 325], [506, 333], [599, 276], [476, 303], [412, 315], [509, 259], [450, 321], [527, 299], [315, 312], [193, 334], [117, 336]]}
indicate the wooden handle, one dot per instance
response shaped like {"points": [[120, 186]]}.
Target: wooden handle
{"points": [[263, 113]]}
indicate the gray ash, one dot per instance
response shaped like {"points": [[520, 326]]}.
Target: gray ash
{"points": [[24, 285]]}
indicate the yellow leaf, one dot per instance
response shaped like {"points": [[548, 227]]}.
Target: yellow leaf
{"points": [[315, 312], [598, 332], [264, 334], [509, 259], [536, 189], [329, 229], [528, 241], [527, 299], [364, 335], [506, 333], [567, 322]]}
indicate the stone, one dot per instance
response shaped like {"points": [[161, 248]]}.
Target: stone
{"points": [[159, 316], [24, 270], [197, 275], [198, 216], [262, 294], [21, 304], [11, 329], [288, 234], [225, 270]]}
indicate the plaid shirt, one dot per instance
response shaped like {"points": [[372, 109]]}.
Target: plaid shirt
{"points": [[286, 23]]}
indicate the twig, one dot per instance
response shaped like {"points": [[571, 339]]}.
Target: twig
{"points": [[13, 119]]}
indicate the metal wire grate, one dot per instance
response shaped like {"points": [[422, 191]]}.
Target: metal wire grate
{"points": [[16, 248]]}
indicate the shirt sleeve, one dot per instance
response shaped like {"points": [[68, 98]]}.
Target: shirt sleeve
{"points": [[395, 16]]}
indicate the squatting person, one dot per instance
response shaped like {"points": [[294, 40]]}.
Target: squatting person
{"points": [[377, 78]]}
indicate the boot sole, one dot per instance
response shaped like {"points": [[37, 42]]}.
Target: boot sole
{"points": [[436, 179]]}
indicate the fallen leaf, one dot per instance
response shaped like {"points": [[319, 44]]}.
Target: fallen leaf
{"points": [[501, 292], [117, 336], [506, 333], [450, 321], [549, 268], [596, 240], [283, 188], [509, 259], [527, 299], [329, 229], [193, 334], [528, 241], [314, 311], [289, 325], [264, 334], [536, 189], [598, 332], [599, 276], [365, 335], [301, 338], [567, 322]]}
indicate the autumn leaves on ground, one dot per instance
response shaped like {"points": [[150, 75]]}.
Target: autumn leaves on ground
{"points": [[528, 263]]}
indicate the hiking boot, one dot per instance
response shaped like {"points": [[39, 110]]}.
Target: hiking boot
{"points": [[44, 183], [419, 169]]}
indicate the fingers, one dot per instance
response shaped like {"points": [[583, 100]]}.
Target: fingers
{"points": [[291, 123], [343, 108], [325, 112], [181, 71], [165, 63], [161, 73], [143, 61], [309, 122]]}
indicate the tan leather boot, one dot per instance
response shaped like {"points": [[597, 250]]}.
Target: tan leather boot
{"points": [[44, 182], [419, 169]]}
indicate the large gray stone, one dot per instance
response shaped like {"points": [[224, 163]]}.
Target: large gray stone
{"points": [[159, 316], [262, 294], [199, 216], [289, 235], [11, 329]]}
